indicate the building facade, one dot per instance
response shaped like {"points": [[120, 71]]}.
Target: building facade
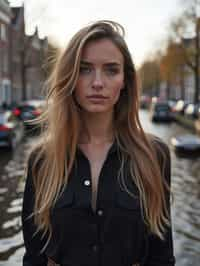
{"points": [[28, 55], [35, 60], [21, 57], [5, 53], [17, 44]]}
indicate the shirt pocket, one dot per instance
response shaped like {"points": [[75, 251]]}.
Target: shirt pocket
{"points": [[62, 218], [65, 200], [124, 200]]}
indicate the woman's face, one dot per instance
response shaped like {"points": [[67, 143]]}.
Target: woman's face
{"points": [[101, 77]]}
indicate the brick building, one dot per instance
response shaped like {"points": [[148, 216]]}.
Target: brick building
{"points": [[17, 43], [35, 58], [5, 52], [21, 57], [28, 54]]}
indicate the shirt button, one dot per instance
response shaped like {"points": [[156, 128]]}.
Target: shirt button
{"points": [[87, 182], [95, 248], [100, 212]]}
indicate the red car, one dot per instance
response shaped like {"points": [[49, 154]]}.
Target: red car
{"points": [[29, 110], [11, 129]]}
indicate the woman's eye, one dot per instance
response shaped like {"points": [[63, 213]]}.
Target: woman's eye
{"points": [[85, 70], [112, 71]]}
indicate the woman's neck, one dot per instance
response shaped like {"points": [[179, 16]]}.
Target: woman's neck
{"points": [[97, 129]]}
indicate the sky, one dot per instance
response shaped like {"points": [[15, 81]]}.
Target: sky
{"points": [[146, 22]]}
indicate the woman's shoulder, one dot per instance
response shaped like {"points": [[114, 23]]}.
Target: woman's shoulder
{"points": [[161, 150], [35, 157], [160, 146], [163, 156]]}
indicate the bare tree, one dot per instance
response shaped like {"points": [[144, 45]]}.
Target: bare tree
{"points": [[185, 29], [149, 73]]}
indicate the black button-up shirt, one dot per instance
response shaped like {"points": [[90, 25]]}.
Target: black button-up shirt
{"points": [[113, 235]]}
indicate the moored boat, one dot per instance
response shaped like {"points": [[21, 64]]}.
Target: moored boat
{"points": [[186, 145]]}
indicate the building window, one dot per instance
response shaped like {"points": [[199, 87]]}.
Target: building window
{"points": [[3, 34], [5, 63]]}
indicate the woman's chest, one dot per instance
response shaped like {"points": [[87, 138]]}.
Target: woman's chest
{"points": [[116, 223], [117, 198]]}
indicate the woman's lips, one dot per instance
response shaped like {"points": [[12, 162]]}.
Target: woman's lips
{"points": [[97, 98]]}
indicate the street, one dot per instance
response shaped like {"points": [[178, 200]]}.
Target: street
{"points": [[185, 206]]}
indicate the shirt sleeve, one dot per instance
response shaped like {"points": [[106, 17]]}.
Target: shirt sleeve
{"points": [[161, 251], [33, 242]]}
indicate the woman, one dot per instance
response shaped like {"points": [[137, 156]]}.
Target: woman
{"points": [[98, 186]]}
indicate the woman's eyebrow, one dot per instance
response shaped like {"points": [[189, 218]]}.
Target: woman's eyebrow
{"points": [[109, 64], [83, 62], [112, 64]]}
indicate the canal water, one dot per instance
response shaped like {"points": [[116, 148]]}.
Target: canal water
{"points": [[185, 207]]}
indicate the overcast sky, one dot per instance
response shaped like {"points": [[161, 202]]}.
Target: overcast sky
{"points": [[145, 21]]}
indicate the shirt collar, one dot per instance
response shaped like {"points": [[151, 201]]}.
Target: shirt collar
{"points": [[112, 149]]}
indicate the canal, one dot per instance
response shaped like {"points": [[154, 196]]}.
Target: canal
{"points": [[185, 207]]}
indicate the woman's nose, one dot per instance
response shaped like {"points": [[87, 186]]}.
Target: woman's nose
{"points": [[97, 82]]}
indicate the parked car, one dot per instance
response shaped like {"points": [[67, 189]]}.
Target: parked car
{"points": [[29, 110], [192, 111], [172, 104], [11, 129], [186, 145], [160, 111], [180, 107]]}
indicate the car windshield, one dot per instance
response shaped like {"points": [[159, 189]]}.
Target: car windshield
{"points": [[27, 108], [161, 107]]}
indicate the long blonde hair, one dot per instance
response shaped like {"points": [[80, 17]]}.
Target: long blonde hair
{"points": [[60, 123]]}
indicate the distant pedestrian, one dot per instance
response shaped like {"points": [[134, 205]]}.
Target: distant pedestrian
{"points": [[98, 187]]}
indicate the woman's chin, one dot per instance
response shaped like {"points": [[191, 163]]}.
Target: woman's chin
{"points": [[97, 110]]}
